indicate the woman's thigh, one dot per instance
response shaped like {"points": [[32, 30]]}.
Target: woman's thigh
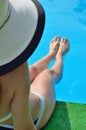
{"points": [[44, 85]]}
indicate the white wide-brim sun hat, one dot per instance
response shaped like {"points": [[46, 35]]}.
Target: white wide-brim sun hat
{"points": [[20, 33]]}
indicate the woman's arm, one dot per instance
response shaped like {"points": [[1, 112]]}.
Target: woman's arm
{"points": [[20, 106]]}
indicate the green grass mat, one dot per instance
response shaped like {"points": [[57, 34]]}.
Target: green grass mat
{"points": [[67, 116]]}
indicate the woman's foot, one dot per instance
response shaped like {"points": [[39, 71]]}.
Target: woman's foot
{"points": [[54, 46], [64, 46]]}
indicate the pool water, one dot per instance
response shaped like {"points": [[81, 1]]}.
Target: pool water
{"points": [[66, 18]]}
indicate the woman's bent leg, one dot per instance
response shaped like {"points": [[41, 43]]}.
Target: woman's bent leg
{"points": [[43, 63], [44, 83]]}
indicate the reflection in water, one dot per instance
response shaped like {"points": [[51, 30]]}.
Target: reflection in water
{"points": [[83, 17], [80, 8]]}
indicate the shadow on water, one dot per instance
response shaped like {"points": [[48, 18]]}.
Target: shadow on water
{"points": [[60, 118], [80, 9]]}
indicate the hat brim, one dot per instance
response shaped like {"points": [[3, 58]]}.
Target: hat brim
{"points": [[31, 46]]}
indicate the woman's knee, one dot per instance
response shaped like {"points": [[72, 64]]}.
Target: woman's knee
{"points": [[48, 72], [56, 76]]}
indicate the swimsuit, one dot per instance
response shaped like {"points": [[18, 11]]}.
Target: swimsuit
{"points": [[36, 121]]}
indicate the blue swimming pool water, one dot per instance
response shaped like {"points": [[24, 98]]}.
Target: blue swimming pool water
{"points": [[67, 18]]}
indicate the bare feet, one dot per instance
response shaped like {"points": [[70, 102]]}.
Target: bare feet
{"points": [[54, 46], [64, 46]]}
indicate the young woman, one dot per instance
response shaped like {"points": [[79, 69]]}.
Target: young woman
{"points": [[27, 95]]}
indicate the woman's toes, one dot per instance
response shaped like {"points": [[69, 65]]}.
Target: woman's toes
{"points": [[64, 40], [58, 39], [54, 45], [55, 40]]}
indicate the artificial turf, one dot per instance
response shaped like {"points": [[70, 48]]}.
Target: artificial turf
{"points": [[67, 116]]}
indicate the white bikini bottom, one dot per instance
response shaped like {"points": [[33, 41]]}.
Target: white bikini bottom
{"points": [[37, 120]]}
